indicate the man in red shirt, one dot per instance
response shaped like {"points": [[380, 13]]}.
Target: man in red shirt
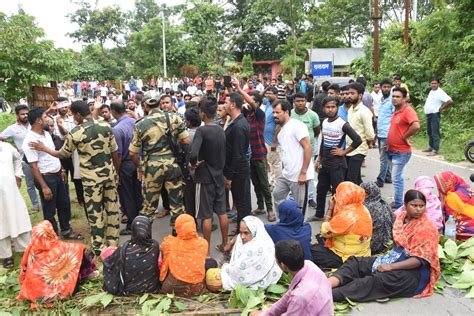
{"points": [[403, 125]]}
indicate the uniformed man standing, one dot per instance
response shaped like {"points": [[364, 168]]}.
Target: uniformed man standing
{"points": [[160, 167], [97, 148]]}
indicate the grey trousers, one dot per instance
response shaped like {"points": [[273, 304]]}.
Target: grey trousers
{"points": [[283, 187]]}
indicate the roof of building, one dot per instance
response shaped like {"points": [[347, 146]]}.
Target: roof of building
{"points": [[339, 56]]}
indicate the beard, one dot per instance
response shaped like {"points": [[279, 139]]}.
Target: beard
{"points": [[385, 95], [24, 120]]}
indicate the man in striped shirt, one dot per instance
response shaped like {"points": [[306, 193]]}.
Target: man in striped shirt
{"points": [[258, 160]]}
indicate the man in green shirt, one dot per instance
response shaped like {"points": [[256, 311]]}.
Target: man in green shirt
{"points": [[301, 113]]}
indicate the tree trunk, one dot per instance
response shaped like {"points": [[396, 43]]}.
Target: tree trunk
{"points": [[350, 36]]}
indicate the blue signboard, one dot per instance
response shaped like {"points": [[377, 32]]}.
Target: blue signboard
{"points": [[321, 68]]}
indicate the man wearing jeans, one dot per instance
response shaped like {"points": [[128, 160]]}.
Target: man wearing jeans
{"points": [[17, 133], [385, 111], [49, 176], [403, 126], [435, 104]]}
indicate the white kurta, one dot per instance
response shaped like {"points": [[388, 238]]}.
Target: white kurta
{"points": [[13, 211]]}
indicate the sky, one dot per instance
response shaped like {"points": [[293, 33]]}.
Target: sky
{"points": [[51, 15]]}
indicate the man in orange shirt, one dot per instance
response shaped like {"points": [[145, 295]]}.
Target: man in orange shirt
{"points": [[403, 125]]}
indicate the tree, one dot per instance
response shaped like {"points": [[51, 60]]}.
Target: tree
{"points": [[26, 58], [341, 21], [247, 67], [97, 25], [145, 10]]}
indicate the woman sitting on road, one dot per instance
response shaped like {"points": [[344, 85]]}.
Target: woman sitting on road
{"points": [[457, 199], [291, 226], [184, 257], [434, 212], [411, 268], [52, 269], [382, 217], [133, 266], [346, 229], [252, 263]]}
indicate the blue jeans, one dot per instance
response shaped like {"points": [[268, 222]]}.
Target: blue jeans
{"points": [[385, 166], [433, 124], [30, 184], [399, 161]]}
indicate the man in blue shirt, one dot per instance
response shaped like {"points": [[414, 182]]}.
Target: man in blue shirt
{"points": [[385, 112], [129, 188]]}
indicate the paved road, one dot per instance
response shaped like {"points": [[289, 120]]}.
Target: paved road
{"points": [[452, 303]]}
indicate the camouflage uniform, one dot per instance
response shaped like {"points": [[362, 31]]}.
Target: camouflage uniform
{"points": [[95, 142], [159, 164]]}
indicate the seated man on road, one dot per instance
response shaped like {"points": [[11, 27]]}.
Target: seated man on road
{"points": [[309, 292]]}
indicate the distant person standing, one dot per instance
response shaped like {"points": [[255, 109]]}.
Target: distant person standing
{"points": [[436, 103], [318, 100], [403, 125], [384, 112]]}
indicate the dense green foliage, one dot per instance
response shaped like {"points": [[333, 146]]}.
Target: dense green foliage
{"points": [[442, 44]]}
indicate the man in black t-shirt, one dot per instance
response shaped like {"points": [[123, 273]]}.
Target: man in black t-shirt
{"points": [[207, 158]]}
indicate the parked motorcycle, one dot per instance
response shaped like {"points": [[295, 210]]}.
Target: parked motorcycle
{"points": [[469, 151]]}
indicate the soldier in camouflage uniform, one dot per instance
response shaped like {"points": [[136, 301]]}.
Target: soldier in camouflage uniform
{"points": [[159, 164], [96, 146]]}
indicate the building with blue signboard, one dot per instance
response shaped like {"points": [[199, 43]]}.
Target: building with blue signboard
{"points": [[331, 62]]}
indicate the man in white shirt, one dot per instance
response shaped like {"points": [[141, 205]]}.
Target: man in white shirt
{"points": [[49, 176], [296, 151], [192, 89], [376, 97], [17, 132], [435, 104]]}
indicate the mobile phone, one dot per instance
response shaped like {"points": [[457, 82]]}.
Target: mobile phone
{"points": [[227, 81]]}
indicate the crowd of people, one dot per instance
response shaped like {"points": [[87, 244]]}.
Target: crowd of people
{"points": [[199, 146]]}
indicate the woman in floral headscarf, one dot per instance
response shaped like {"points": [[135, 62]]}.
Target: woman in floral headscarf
{"points": [[52, 269], [457, 199], [382, 217], [346, 229]]}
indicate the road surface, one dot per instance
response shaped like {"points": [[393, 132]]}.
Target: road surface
{"points": [[452, 303]]}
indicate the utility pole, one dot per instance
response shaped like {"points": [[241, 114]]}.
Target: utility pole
{"points": [[376, 37], [164, 44], [407, 17]]}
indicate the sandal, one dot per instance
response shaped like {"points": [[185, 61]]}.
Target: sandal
{"points": [[163, 213], [8, 263], [124, 219], [258, 211], [271, 216], [72, 236]]}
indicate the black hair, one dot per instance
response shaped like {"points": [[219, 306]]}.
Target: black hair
{"points": [[351, 81], [402, 90], [117, 106], [21, 107], [110, 92], [273, 89], [362, 81], [166, 96], [411, 195], [291, 253], [237, 99], [326, 100], [335, 87], [300, 94], [357, 86], [192, 116], [85, 99], [139, 98], [325, 85], [256, 96], [80, 107], [190, 105], [397, 77], [285, 105], [62, 99], [310, 76], [386, 81], [220, 102], [105, 106], [435, 78], [35, 114], [187, 95], [344, 88], [208, 106]]}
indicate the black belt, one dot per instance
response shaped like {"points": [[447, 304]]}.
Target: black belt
{"points": [[52, 173]]}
